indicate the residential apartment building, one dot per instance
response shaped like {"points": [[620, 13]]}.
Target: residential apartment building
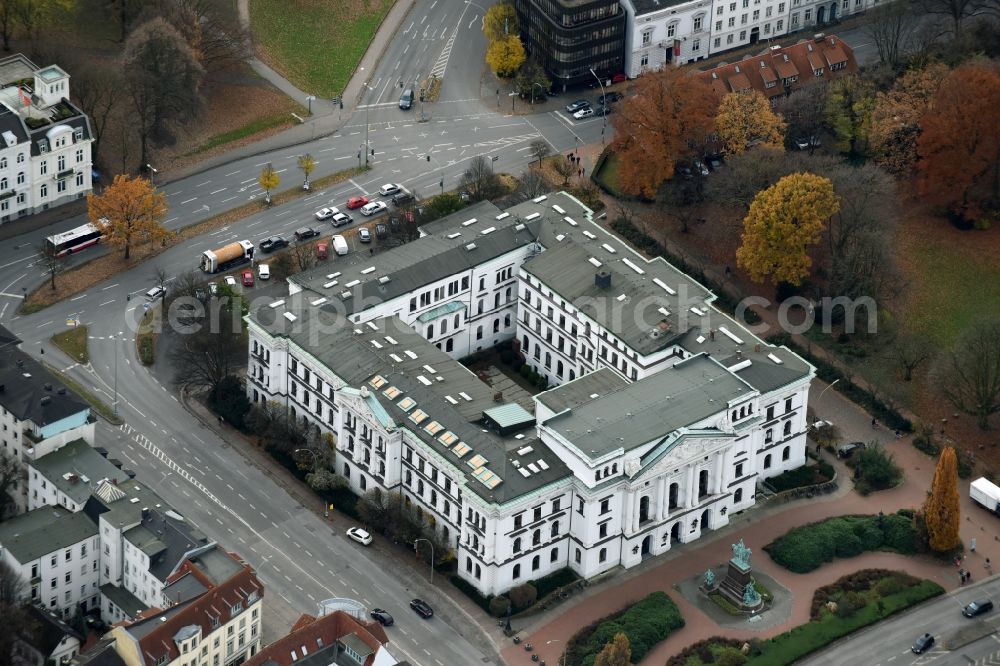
{"points": [[570, 38], [808, 14], [665, 32], [665, 414], [38, 414], [334, 639], [45, 141], [56, 552], [736, 23], [68, 476], [47, 640], [214, 616]]}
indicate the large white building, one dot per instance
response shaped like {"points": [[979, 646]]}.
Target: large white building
{"points": [[45, 141], [665, 415]]}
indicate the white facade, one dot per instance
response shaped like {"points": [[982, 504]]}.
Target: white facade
{"points": [[667, 33], [736, 23]]}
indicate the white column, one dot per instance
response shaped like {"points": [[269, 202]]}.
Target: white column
{"points": [[692, 489], [627, 519], [660, 485], [720, 472], [635, 513]]}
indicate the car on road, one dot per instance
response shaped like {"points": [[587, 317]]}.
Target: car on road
{"points": [[573, 107], [247, 278], [305, 232], [402, 198], [264, 272], [422, 608], [387, 189], [364, 235], [406, 99], [155, 293], [683, 170], [977, 607], [359, 535], [382, 617], [585, 112], [231, 282], [381, 231], [847, 450], [700, 167], [341, 219], [356, 202], [609, 98], [326, 213], [273, 243], [923, 643], [374, 208]]}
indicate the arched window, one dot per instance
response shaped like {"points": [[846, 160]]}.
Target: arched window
{"points": [[496, 325], [444, 326], [20, 178], [555, 529], [457, 320], [507, 295], [734, 415], [496, 300], [738, 496], [479, 333], [449, 345], [479, 572], [536, 537], [517, 572], [347, 471], [517, 545], [553, 555], [506, 321], [559, 368], [430, 331], [787, 430], [767, 461], [786, 453], [3, 183], [536, 562], [363, 482]]}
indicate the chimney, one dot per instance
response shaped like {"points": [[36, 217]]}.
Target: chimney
{"points": [[498, 396], [818, 37], [603, 279], [46, 400], [47, 386]]}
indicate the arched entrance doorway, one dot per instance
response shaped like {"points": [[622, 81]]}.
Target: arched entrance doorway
{"points": [[833, 12], [647, 545], [820, 15], [754, 35], [675, 533], [704, 520]]}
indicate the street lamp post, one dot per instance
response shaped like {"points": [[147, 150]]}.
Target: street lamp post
{"points": [[441, 181], [152, 171], [415, 542], [535, 83], [315, 457], [115, 338], [604, 96], [367, 90]]}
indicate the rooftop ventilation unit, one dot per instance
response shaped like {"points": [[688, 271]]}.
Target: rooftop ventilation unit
{"points": [[602, 278], [385, 279]]}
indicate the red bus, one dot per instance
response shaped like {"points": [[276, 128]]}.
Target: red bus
{"points": [[73, 240]]}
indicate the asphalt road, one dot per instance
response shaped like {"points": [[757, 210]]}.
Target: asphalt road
{"points": [[888, 643]]}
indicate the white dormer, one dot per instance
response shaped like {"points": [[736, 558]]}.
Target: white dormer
{"points": [[51, 85]]}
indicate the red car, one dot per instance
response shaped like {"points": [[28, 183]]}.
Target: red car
{"points": [[247, 278], [356, 202]]}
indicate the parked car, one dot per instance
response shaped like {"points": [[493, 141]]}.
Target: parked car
{"points": [[341, 219], [847, 450], [402, 198], [603, 110], [322, 250], [356, 202], [923, 644], [978, 607], [200, 294], [406, 99], [683, 170], [573, 107], [387, 189], [359, 535], [609, 98], [247, 278], [305, 232], [273, 243], [326, 213], [373, 208], [155, 293], [213, 288], [803, 142], [700, 167], [364, 235], [619, 78], [381, 231], [264, 272], [422, 608], [382, 617], [231, 282], [714, 163], [585, 112]]}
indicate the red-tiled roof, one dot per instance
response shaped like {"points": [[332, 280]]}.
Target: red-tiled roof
{"points": [[217, 602], [310, 635], [797, 60]]}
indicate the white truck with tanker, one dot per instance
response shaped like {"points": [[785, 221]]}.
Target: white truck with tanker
{"points": [[227, 256], [986, 493]]}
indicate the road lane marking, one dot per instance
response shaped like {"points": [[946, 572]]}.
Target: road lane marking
{"points": [[188, 201], [109, 286], [217, 191], [76, 298], [106, 303], [232, 173]]}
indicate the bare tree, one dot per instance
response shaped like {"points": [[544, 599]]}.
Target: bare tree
{"points": [[747, 174], [891, 27], [98, 91], [16, 622], [805, 112], [531, 184], [540, 149], [52, 264], [969, 376], [954, 10], [160, 278], [681, 199], [565, 169], [8, 18], [909, 351], [304, 256], [216, 36], [9, 473], [208, 354], [479, 179]]}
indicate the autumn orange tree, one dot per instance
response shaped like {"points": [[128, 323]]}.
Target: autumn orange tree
{"points": [[617, 652], [895, 118], [745, 119], [784, 221], [669, 114], [130, 211], [942, 512], [959, 145]]}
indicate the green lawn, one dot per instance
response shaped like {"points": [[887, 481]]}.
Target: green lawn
{"points": [[74, 342], [608, 175], [316, 45], [259, 125]]}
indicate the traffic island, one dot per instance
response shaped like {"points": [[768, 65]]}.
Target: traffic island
{"points": [[73, 343]]}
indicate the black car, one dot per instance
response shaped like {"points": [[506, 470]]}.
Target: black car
{"points": [[609, 98], [381, 231], [977, 607], [273, 243], [305, 232], [406, 99], [423, 610], [573, 107], [402, 198], [382, 617], [847, 450], [923, 644], [603, 110]]}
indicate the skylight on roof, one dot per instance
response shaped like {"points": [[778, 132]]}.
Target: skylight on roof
{"points": [[290, 317], [470, 247], [487, 477], [461, 449], [396, 358], [533, 467], [621, 298], [345, 294], [390, 340], [560, 237], [370, 269], [410, 354], [594, 262], [570, 220], [392, 393], [523, 472], [418, 416], [476, 461], [378, 381], [664, 286], [433, 428], [589, 235], [557, 208], [455, 234], [539, 199], [331, 283], [406, 404], [372, 325], [729, 334], [352, 283], [488, 230], [451, 400], [423, 380], [633, 265], [448, 438], [609, 248], [774, 358], [318, 301], [468, 222], [523, 451], [385, 279], [465, 396], [700, 313], [532, 216], [376, 344], [330, 276], [502, 215], [277, 304], [543, 464]]}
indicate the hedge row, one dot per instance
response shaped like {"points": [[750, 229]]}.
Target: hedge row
{"points": [[342, 499], [829, 373], [806, 548], [650, 245], [645, 623], [800, 477]]}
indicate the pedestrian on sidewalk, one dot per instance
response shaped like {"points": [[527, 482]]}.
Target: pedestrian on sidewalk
{"points": [[988, 565], [961, 576], [220, 420]]}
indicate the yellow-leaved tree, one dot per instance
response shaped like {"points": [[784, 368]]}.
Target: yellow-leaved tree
{"points": [[500, 21], [505, 56], [268, 180], [745, 119], [784, 221], [307, 164], [617, 652], [942, 512], [130, 211]]}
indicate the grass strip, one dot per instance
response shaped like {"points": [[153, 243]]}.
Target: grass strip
{"points": [[96, 403], [74, 343]]}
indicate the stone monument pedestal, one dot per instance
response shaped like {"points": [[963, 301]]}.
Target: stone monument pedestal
{"points": [[735, 582]]}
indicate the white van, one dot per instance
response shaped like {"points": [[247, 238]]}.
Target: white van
{"points": [[264, 272], [340, 245]]}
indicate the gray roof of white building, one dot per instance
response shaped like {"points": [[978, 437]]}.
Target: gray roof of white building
{"points": [[45, 530], [130, 604], [650, 6], [650, 409], [76, 469], [29, 391], [582, 389]]}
